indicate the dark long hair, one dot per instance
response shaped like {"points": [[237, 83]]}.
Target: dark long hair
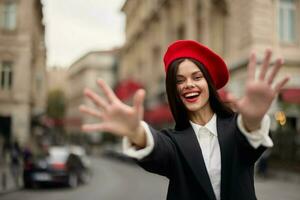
{"points": [[177, 107]]}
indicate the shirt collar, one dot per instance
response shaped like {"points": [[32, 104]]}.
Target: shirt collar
{"points": [[211, 125]]}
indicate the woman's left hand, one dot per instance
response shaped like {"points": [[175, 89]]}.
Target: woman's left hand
{"points": [[259, 93]]}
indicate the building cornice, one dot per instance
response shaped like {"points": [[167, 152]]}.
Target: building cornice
{"points": [[103, 52]]}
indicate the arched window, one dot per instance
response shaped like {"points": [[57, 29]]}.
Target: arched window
{"points": [[6, 75]]}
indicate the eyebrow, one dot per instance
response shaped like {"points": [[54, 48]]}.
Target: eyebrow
{"points": [[196, 72]]}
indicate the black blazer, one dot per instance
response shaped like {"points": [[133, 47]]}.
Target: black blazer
{"points": [[177, 155]]}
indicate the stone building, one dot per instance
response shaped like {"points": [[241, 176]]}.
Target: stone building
{"points": [[22, 66], [83, 73], [57, 78]]}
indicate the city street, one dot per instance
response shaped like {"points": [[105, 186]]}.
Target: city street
{"points": [[114, 179]]}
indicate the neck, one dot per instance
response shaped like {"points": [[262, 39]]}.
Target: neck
{"points": [[201, 117]]}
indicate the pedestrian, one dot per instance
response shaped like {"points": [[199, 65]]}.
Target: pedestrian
{"points": [[27, 155], [15, 162], [210, 154], [5, 150]]}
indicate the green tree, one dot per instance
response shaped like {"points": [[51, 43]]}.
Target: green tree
{"points": [[56, 104], [56, 107]]}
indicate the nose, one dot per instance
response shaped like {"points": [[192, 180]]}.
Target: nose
{"points": [[189, 84]]}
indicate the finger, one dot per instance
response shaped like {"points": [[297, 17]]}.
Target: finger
{"points": [[90, 111], [138, 101], [97, 100], [103, 127], [251, 67], [281, 84], [107, 91], [265, 64], [275, 70], [92, 127]]}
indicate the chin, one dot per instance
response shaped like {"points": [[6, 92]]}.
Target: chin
{"points": [[197, 106], [193, 108]]}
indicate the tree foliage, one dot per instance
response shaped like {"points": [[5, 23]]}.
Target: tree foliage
{"points": [[56, 104]]}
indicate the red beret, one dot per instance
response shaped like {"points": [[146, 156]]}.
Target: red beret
{"points": [[214, 64]]}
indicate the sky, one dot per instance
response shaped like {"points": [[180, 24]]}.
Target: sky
{"points": [[75, 27]]}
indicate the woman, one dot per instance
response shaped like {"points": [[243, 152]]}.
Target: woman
{"points": [[212, 150]]}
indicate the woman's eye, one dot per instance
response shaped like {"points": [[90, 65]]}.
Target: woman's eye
{"points": [[179, 81], [198, 77]]}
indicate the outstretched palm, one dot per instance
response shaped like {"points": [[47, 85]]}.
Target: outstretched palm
{"points": [[116, 117], [259, 92]]}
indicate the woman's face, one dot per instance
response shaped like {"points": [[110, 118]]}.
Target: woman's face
{"points": [[192, 87]]}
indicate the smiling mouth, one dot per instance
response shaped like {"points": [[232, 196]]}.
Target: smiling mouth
{"points": [[191, 96]]}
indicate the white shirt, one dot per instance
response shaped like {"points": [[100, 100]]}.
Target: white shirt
{"points": [[207, 136], [208, 140]]}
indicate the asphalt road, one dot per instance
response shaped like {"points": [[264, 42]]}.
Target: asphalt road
{"points": [[114, 180]]}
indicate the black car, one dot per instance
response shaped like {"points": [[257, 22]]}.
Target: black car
{"points": [[60, 165]]}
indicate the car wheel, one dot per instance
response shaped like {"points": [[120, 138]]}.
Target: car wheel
{"points": [[30, 185], [73, 180]]}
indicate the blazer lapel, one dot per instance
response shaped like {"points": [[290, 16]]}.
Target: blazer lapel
{"points": [[225, 129], [190, 148]]}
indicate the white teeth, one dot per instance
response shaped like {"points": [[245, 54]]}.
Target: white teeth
{"points": [[191, 94]]}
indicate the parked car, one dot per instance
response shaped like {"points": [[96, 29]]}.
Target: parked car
{"points": [[59, 165]]}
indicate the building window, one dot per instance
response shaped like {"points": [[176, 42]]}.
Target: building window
{"points": [[39, 82], [8, 15], [6, 75], [287, 21], [217, 37], [181, 32]]}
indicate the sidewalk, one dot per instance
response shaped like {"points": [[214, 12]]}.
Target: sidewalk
{"points": [[6, 180], [273, 188]]}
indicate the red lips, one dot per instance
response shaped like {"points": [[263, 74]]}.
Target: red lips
{"points": [[191, 96]]}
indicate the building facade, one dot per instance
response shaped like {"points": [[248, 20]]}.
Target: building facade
{"points": [[22, 66], [57, 78], [82, 74], [233, 29]]}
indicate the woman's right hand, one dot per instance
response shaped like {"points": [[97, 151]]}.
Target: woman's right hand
{"points": [[116, 117]]}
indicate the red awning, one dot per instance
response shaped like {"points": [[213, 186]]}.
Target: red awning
{"points": [[159, 115], [126, 89], [74, 121], [290, 95]]}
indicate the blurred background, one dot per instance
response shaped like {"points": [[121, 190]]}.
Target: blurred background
{"points": [[50, 50]]}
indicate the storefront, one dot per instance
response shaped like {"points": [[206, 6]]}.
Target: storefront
{"points": [[287, 135]]}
